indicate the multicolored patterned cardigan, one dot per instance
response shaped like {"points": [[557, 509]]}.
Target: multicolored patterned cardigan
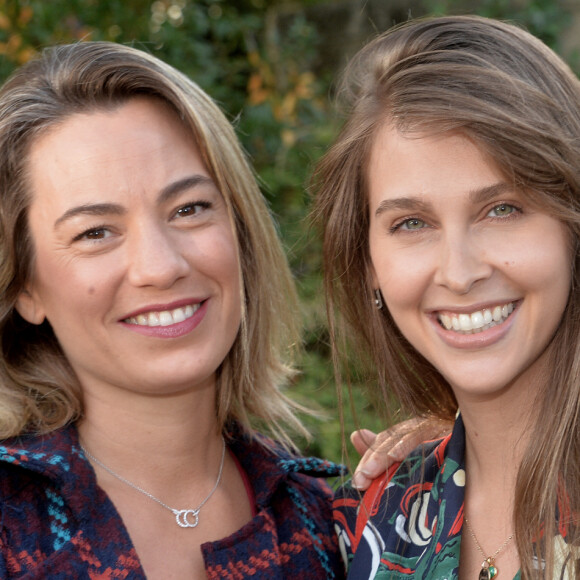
{"points": [[56, 523], [408, 524]]}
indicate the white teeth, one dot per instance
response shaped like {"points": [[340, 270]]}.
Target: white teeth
{"points": [[165, 317], [465, 322], [446, 321], [476, 321], [178, 316]]}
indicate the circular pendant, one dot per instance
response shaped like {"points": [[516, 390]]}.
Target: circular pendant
{"points": [[187, 518]]}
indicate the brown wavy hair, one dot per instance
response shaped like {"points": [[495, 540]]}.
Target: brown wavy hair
{"points": [[39, 391], [504, 89]]}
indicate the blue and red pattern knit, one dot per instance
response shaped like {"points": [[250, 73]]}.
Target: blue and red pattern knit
{"points": [[55, 521]]}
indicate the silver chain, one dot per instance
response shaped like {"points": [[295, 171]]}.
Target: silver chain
{"points": [[188, 518]]}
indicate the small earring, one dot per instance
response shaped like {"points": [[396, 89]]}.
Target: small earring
{"points": [[378, 299]]}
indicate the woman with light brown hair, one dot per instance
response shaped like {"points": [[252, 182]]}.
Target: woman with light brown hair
{"points": [[450, 210], [147, 324]]}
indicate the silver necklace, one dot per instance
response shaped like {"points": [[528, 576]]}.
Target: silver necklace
{"points": [[188, 518], [488, 568]]}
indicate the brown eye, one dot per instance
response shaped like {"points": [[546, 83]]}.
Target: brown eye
{"points": [[192, 209], [93, 234]]}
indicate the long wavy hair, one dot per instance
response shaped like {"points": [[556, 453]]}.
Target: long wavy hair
{"points": [[39, 391], [504, 89]]}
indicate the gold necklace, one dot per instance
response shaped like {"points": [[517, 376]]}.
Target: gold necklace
{"points": [[488, 568]]}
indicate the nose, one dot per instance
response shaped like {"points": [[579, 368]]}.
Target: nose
{"points": [[155, 257], [462, 262]]}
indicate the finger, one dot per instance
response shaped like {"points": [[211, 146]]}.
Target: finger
{"points": [[362, 440], [395, 433], [413, 433], [375, 462], [393, 445]]}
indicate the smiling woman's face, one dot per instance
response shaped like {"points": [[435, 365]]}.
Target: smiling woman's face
{"points": [[475, 277], [136, 266]]}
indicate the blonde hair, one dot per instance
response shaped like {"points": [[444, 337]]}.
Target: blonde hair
{"points": [[38, 389], [503, 88]]}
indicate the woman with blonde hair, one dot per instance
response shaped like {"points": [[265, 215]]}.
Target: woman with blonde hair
{"points": [[450, 210], [143, 336]]}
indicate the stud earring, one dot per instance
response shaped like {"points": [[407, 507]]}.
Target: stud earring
{"points": [[378, 299]]}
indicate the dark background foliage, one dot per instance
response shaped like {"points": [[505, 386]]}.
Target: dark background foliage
{"points": [[270, 64]]}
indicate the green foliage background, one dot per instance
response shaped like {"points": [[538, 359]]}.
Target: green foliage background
{"points": [[265, 62]]}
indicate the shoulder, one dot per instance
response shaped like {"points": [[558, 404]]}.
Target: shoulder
{"points": [[373, 515], [28, 459], [276, 473], [309, 475], [50, 505], [270, 464], [294, 507]]}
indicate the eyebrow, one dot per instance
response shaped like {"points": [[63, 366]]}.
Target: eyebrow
{"points": [[412, 203], [174, 189], [167, 194]]}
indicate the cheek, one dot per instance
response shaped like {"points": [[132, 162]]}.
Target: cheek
{"points": [[401, 278], [218, 259], [69, 288], [543, 264]]}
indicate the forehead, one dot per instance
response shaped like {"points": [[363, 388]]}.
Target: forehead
{"points": [[91, 127], [141, 143], [422, 163]]}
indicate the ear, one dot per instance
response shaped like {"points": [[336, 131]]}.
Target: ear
{"points": [[29, 306]]}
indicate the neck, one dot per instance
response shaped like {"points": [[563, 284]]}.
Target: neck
{"points": [[498, 426], [152, 437], [496, 436], [497, 433], [495, 441]]}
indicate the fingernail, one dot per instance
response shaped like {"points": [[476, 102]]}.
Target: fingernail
{"points": [[360, 480], [397, 452], [372, 468]]}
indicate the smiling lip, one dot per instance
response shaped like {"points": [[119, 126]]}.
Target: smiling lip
{"points": [[171, 321], [476, 328]]}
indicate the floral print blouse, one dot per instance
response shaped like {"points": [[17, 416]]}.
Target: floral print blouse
{"points": [[408, 524]]}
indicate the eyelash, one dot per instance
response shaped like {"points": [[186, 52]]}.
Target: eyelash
{"points": [[87, 233], [104, 228], [203, 204], [398, 226], [516, 210]]}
